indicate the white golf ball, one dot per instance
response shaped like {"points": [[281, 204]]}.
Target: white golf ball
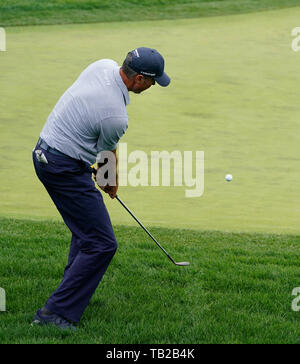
{"points": [[228, 177]]}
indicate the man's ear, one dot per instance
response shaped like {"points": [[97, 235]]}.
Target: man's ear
{"points": [[139, 78]]}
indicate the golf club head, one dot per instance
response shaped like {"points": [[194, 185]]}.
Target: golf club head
{"points": [[182, 263]]}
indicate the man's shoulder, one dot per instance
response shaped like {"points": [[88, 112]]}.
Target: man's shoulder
{"points": [[104, 63]]}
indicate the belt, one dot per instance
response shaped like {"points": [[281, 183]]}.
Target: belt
{"points": [[45, 146]]}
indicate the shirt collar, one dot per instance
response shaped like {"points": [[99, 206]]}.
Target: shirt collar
{"points": [[122, 85]]}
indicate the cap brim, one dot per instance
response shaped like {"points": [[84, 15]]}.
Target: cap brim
{"points": [[163, 80]]}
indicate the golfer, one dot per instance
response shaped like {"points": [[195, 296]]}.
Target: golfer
{"points": [[87, 123]]}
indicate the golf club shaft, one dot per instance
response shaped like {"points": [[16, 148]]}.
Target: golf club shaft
{"points": [[141, 225]]}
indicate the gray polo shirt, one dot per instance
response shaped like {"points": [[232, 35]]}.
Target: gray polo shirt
{"points": [[91, 115]]}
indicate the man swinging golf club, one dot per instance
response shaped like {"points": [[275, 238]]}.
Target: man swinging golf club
{"points": [[88, 119]]}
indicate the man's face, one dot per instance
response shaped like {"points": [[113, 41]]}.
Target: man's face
{"points": [[142, 83]]}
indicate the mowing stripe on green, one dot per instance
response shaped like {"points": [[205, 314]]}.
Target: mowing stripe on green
{"points": [[234, 95]]}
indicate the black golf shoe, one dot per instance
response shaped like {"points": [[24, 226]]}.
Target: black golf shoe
{"points": [[45, 317]]}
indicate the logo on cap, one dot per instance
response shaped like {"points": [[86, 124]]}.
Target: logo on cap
{"points": [[149, 62]]}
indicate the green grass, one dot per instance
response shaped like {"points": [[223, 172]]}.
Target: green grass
{"points": [[27, 12], [234, 95], [236, 290]]}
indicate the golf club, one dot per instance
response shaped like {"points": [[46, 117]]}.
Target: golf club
{"points": [[143, 227]]}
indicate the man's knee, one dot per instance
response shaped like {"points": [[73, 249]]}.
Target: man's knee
{"points": [[99, 246], [114, 246]]}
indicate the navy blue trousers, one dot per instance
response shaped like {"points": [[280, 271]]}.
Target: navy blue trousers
{"points": [[68, 182]]}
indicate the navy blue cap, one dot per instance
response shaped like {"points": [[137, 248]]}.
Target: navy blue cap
{"points": [[148, 62]]}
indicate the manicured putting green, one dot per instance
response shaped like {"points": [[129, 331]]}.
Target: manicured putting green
{"points": [[234, 95]]}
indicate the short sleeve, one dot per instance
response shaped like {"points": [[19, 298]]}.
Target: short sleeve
{"points": [[112, 129]]}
